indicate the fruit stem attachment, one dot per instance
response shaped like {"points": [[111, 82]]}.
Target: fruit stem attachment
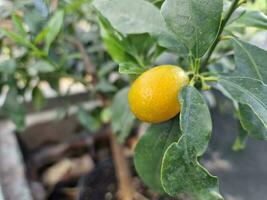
{"points": [[233, 7]]}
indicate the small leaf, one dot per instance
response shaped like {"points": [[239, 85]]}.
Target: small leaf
{"points": [[41, 36], [241, 140], [38, 98], [253, 19], [114, 42], [122, 118], [150, 150], [88, 121], [18, 24], [34, 20], [104, 86], [252, 123], [14, 109], [195, 23], [43, 67], [19, 39], [130, 68], [42, 7], [54, 26], [8, 67]]}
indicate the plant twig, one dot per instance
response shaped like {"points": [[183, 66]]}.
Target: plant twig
{"points": [[126, 188], [229, 13], [89, 67]]}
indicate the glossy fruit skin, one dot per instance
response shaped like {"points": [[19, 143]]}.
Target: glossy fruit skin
{"points": [[153, 97]]}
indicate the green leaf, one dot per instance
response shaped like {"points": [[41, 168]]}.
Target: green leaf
{"points": [[195, 119], [18, 24], [250, 121], [181, 173], [43, 66], [250, 61], [19, 39], [130, 68], [248, 91], [253, 19], [34, 20], [180, 161], [122, 119], [143, 17], [41, 36], [54, 26], [158, 3], [38, 98], [241, 140], [88, 121], [195, 23], [115, 43], [104, 86], [8, 67], [14, 109], [150, 150]]}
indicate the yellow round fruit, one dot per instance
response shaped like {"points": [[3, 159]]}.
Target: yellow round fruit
{"points": [[153, 96]]}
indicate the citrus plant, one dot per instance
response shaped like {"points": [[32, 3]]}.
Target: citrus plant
{"points": [[41, 44], [209, 40]]}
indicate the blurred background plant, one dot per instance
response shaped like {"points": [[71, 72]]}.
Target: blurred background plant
{"points": [[53, 48]]}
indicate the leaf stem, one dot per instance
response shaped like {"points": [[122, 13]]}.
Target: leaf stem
{"points": [[226, 18], [211, 78]]}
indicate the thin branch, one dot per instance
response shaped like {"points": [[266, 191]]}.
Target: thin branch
{"points": [[126, 188], [229, 13], [89, 67]]}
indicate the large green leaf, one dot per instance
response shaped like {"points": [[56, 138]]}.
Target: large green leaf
{"points": [[194, 22], [150, 150], [181, 172], [122, 118], [251, 92], [54, 26], [131, 17], [195, 119], [142, 17], [250, 62]]}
